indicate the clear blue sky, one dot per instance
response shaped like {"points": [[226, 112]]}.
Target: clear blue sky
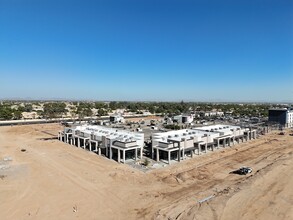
{"points": [[200, 50]]}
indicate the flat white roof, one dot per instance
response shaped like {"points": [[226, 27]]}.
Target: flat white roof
{"points": [[112, 133]]}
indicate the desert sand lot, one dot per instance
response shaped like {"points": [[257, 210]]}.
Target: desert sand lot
{"points": [[53, 180]]}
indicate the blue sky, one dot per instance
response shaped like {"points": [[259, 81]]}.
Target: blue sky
{"points": [[163, 50]]}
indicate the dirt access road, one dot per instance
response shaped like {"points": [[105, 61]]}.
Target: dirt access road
{"points": [[53, 180]]}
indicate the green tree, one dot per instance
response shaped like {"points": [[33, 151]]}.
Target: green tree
{"points": [[17, 115], [54, 109], [6, 113]]}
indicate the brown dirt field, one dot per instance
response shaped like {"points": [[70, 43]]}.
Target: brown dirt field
{"points": [[53, 180]]}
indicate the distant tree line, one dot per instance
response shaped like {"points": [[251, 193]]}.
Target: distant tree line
{"points": [[10, 110]]}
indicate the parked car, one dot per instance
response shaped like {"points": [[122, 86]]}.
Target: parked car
{"points": [[242, 171]]}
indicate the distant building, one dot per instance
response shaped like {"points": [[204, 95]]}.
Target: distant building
{"points": [[117, 119], [211, 114], [183, 118], [283, 116]]}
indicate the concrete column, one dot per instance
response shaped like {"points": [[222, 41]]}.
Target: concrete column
{"points": [[206, 148], [158, 156], [199, 146], [73, 140], [78, 142], [141, 151], [110, 148], [169, 157], [118, 155], [183, 153], [90, 145], [135, 154], [66, 138], [179, 153], [123, 156], [229, 142], [218, 143], [99, 151], [212, 147], [224, 142]]}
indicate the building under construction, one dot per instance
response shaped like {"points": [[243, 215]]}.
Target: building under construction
{"points": [[282, 116], [179, 144], [115, 144], [122, 145]]}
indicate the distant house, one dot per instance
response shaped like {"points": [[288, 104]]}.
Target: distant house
{"points": [[283, 116], [211, 113]]}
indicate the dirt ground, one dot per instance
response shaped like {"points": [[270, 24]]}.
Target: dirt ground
{"points": [[48, 179]]}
